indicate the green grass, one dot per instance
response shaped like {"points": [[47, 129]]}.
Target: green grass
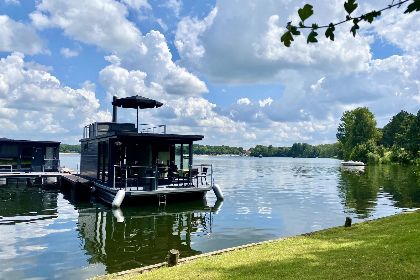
{"points": [[388, 248]]}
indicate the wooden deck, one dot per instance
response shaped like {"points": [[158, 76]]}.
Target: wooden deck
{"points": [[30, 174], [74, 179]]}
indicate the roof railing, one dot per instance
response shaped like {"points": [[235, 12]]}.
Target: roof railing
{"points": [[150, 128]]}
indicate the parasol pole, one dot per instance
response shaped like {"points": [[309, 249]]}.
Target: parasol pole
{"points": [[137, 119]]}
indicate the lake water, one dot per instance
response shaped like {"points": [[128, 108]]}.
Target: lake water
{"points": [[45, 235]]}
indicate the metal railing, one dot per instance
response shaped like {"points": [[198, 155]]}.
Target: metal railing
{"points": [[9, 168], [145, 177], [148, 178], [150, 128]]}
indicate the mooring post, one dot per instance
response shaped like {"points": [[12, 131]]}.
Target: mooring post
{"points": [[173, 257], [348, 222]]}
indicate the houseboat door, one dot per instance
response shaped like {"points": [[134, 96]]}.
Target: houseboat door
{"points": [[37, 159]]}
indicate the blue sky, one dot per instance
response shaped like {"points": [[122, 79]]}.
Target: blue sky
{"points": [[218, 66]]}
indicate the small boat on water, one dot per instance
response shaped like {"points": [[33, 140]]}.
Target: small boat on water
{"points": [[353, 163], [260, 156]]}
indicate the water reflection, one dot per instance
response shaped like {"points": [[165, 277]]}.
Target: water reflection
{"points": [[145, 236], [19, 204], [46, 234], [360, 191]]}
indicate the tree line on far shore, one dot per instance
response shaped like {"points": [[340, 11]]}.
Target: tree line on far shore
{"points": [[299, 150], [66, 148]]}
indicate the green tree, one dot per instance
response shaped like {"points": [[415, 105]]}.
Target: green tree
{"points": [[396, 132], [357, 127], [413, 137]]}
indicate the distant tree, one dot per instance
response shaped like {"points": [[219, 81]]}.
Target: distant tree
{"points": [[357, 127], [396, 132], [413, 137], [349, 6]]}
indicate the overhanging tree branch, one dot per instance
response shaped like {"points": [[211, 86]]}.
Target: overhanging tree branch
{"points": [[350, 6]]}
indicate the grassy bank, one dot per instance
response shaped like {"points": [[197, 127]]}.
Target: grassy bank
{"points": [[383, 249]]}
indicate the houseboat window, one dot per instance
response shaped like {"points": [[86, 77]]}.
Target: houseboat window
{"points": [[26, 157], [103, 158], [49, 158], [182, 156], [9, 155], [139, 154]]}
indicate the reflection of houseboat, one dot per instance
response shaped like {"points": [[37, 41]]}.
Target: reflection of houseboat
{"points": [[142, 162], [145, 237], [25, 155]]}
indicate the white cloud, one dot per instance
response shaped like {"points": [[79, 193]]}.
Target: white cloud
{"points": [[318, 84], [16, 36], [35, 102], [265, 102], [68, 53], [187, 38], [174, 5], [396, 27], [101, 23], [105, 25], [243, 101], [137, 4]]}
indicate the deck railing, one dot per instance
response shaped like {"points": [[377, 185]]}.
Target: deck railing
{"points": [[6, 168], [149, 178], [151, 128]]}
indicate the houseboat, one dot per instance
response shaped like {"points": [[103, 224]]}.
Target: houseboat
{"points": [[131, 163], [29, 156]]}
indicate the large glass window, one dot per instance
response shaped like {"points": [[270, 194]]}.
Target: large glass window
{"points": [[182, 156], [103, 158]]}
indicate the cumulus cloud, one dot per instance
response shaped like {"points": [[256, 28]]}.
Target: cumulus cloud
{"points": [[174, 5], [229, 46], [68, 53], [137, 4], [187, 37], [101, 23], [105, 25], [320, 81], [265, 102], [17, 36], [243, 101], [34, 101]]}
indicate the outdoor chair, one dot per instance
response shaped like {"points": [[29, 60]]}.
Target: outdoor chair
{"points": [[203, 174]]}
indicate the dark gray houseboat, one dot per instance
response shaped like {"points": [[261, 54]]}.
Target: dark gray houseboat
{"points": [[127, 163], [27, 156]]}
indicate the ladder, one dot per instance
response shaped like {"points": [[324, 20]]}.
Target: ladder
{"points": [[162, 198]]}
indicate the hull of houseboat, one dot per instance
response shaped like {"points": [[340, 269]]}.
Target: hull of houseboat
{"points": [[161, 195]]}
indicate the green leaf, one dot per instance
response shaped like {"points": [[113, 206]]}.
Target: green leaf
{"points": [[287, 38], [305, 12], [369, 17], [294, 30], [312, 37], [415, 6], [350, 6], [329, 33], [355, 27]]}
